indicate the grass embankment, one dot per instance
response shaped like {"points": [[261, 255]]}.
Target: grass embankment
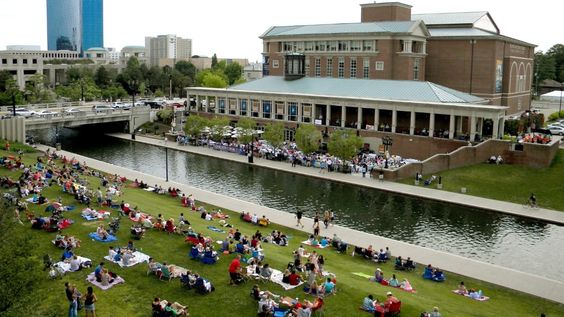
{"points": [[512, 183], [134, 297]]}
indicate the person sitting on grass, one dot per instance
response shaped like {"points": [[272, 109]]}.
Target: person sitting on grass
{"points": [[266, 271], [406, 286], [328, 287], [369, 303], [101, 232], [294, 278], [462, 289], [175, 309], [393, 282]]}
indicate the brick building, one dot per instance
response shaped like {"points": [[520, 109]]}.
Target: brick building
{"points": [[463, 51]]}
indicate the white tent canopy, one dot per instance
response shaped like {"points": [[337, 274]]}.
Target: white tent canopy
{"points": [[553, 95]]}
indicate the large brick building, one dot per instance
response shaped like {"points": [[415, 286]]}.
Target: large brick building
{"points": [[463, 51]]}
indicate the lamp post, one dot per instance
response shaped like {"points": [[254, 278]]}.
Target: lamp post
{"points": [[133, 87], [170, 87], [166, 163], [387, 141], [560, 107]]}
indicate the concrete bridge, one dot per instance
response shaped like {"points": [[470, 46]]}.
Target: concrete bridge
{"points": [[14, 129]]}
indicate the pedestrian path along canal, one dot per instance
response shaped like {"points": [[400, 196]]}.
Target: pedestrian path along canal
{"points": [[518, 243]]}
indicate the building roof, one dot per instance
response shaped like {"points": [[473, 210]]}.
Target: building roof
{"points": [[405, 90], [550, 83], [449, 18], [341, 28]]}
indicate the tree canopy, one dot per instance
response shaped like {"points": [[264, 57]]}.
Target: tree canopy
{"points": [[344, 144], [195, 125], [308, 138], [274, 134], [247, 129]]}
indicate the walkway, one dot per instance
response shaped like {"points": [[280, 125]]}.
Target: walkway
{"points": [[546, 215], [521, 281]]}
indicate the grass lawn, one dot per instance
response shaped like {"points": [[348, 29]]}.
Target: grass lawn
{"points": [[134, 297], [512, 183]]}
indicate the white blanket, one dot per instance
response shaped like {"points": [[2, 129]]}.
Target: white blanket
{"points": [[90, 278], [276, 277], [138, 258], [65, 267]]}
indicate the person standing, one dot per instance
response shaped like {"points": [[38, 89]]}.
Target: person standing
{"points": [[326, 218], [316, 219], [299, 215], [316, 229], [235, 270], [89, 300]]}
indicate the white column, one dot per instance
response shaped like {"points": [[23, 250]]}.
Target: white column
{"points": [[343, 116], [217, 104], [207, 103], [502, 127], [394, 120], [376, 118], [472, 127], [495, 130], [459, 124], [327, 114], [237, 106], [451, 127], [299, 119], [359, 118], [431, 124], [313, 114], [197, 98], [412, 123], [260, 112], [480, 126]]}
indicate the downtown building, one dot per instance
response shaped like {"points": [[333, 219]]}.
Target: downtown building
{"points": [[75, 25], [166, 50]]}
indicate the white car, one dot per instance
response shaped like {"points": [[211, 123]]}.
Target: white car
{"points": [[72, 111], [46, 113], [102, 108], [556, 130], [24, 112]]}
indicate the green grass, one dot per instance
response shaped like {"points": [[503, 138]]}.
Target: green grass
{"points": [[134, 297], [512, 183]]}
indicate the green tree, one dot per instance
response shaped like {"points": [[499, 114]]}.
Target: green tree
{"points": [[131, 77], [214, 61], [557, 53], [274, 134], [247, 130], [233, 72], [20, 269], [213, 80], [165, 115], [187, 69], [35, 89], [308, 138], [102, 77], [344, 144], [217, 127], [8, 89], [5, 78], [195, 125]]}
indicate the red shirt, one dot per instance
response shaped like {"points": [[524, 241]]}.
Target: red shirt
{"points": [[234, 266]]}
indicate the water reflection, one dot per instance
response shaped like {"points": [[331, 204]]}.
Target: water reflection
{"points": [[482, 235]]}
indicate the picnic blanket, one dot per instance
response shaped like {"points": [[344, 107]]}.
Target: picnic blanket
{"points": [[361, 274], [319, 246], [138, 258], [65, 223], [480, 299], [95, 236], [101, 215], [213, 228], [90, 278], [177, 271], [276, 277], [65, 267], [149, 189]]}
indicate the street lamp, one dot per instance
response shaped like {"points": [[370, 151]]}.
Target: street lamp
{"points": [[170, 87], [166, 162], [133, 87], [387, 141]]}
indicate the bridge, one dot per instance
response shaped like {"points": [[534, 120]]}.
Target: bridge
{"points": [[15, 128]]}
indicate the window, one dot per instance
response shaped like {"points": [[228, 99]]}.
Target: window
{"points": [[368, 45], [4, 61], [317, 67], [292, 111], [299, 46], [34, 61], [275, 63], [307, 66], [320, 46], [309, 46], [329, 69], [332, 46], [341, 67], [343, 46], [353, 67], [356, 45], [416, 65], [14, 61], [379, 66], [24, 61], [266, 108], [279, 106], [243, 107], [221, 105], [366, 68], [255, 106], [287, 46]]}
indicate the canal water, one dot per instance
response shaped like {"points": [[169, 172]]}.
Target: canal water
{"points": [[518, 243]]}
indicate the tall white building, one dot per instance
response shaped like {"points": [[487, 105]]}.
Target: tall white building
{"points": [[167, 49]]}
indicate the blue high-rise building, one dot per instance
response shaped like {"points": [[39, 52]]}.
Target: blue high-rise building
{"points": [[75, 25], [92, 24], [64, 25]]}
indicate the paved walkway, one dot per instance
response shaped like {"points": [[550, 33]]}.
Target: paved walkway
{"points": [[521, 281]]}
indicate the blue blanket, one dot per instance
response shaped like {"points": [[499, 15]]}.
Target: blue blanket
{"points": [[95, 236], [212, 228], [89, 217], [69, 208]]}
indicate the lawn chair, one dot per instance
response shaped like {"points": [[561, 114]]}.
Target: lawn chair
{"points": [[394, 309]]}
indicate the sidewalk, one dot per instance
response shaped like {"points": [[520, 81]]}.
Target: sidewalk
{"points": [[521, 281], [546, 215]]}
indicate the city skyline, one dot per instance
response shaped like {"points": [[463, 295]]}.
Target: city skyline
{"points": [[232, 29]]}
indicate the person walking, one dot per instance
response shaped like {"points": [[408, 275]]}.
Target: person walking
{"points": [[299, 215], [326, 218], [316, 229], [89, 300]]}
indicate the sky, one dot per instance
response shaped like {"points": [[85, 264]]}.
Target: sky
{"points": [[231, 29]]}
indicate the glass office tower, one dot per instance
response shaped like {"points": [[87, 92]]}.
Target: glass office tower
{"points": [[92, 24], [64, 29]]}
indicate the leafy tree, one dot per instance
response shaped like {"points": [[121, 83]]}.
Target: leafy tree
{"points": [[213, 80], [187, 69], [155, 79], [159, 93], [20, 269], [233, 72], [8, 89], [35, 89], [217, 126], [195, 125], [214, 61], [103, 77], [344, 144], [165, 115], [274, 134], [557, 53], [248, 127], [131, 77], [113, 93], [5, 78], [308, 138]]}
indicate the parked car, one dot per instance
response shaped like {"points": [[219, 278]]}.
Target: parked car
{"points": [[24, 112], [101, 108], [121, 105], [72, 111], [555, 130]]}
